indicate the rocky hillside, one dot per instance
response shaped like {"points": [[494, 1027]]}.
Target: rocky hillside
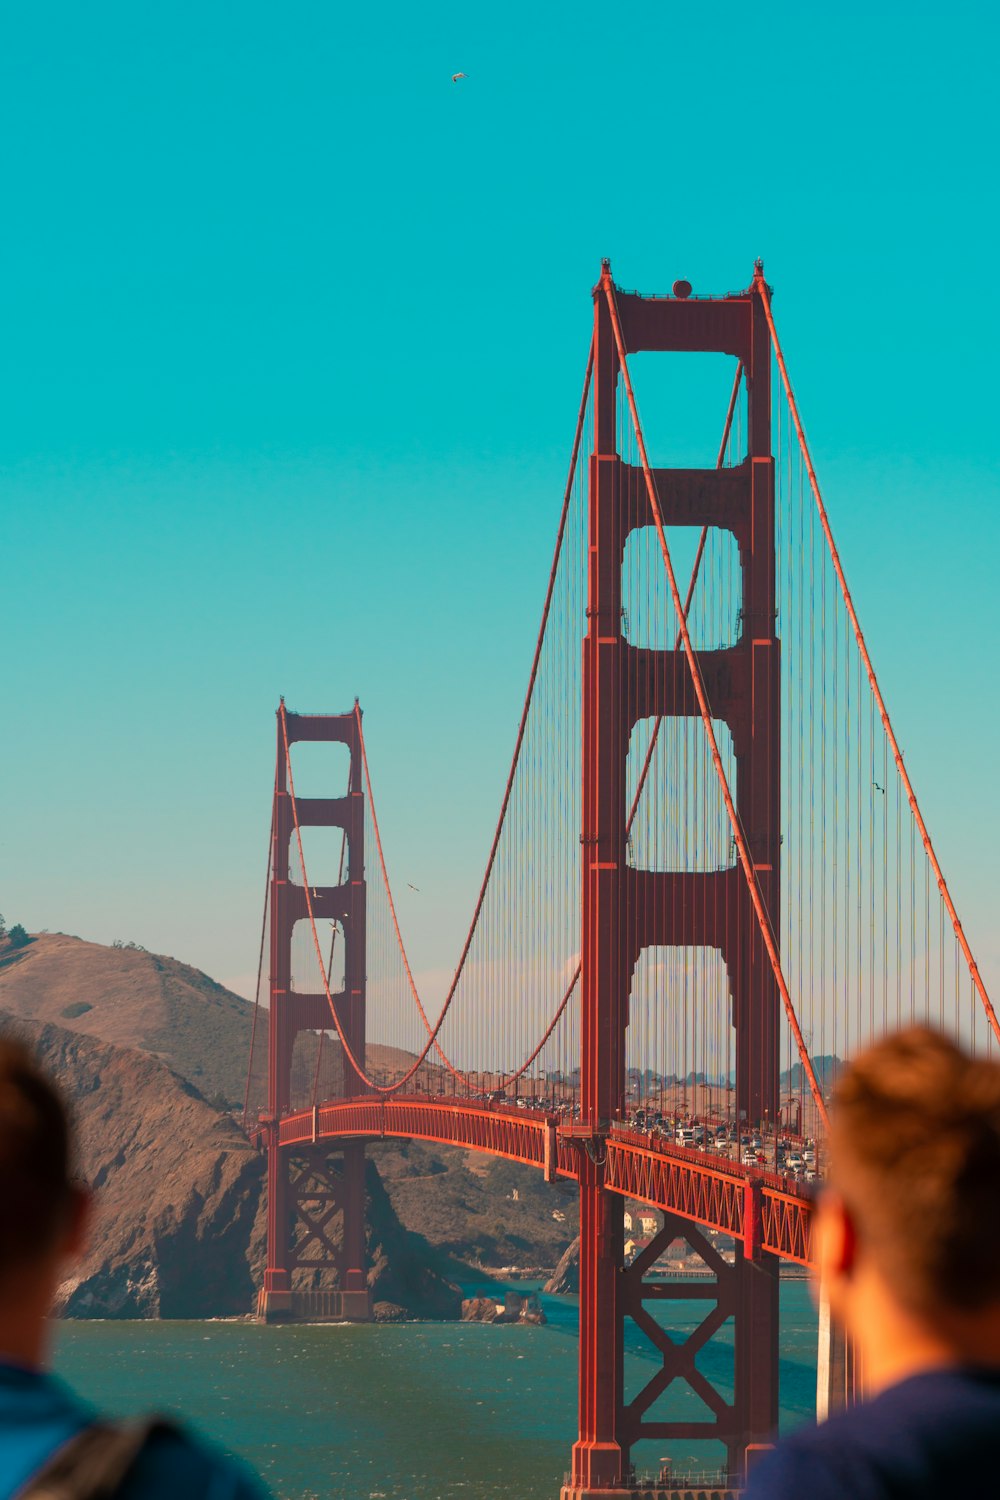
{"points": [[481, 1210], [159, 1005], [469, 1208], [179, 1197], [152, 1052], [178, 1187], [566, 1276], [132, 998]]}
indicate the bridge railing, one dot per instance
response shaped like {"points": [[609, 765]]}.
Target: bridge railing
{"points": [[766, 1211]]}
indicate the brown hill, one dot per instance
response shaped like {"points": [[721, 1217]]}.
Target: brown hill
{"points": [[178, 1230], [177, 1185], [469, 1207], [159, 1005], [134, 999], [481, 1210]]}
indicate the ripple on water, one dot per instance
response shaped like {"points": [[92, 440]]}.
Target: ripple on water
{"points": [[397, 1412]]}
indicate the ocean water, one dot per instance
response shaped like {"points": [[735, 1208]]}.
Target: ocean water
{"points": [[425, 1411]]}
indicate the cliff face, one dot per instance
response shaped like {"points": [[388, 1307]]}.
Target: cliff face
{"points": [[179, 1218], [149, 1051], [402, 1278], [566, 1276], [177, 1186]]}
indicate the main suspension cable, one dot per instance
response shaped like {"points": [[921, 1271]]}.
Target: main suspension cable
{"points": [[260, 973], [699, 554], [505, 802], [647, 763], [352, 1057], [698, 683], [765, 296], [435, 1030]]}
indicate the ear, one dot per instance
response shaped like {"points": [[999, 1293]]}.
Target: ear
{"points": [[835, 1239]]}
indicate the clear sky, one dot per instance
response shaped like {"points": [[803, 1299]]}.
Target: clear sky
{"points": [[291, 337]]}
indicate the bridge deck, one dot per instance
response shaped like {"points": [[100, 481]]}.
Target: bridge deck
{"points": [[765, 1211]]}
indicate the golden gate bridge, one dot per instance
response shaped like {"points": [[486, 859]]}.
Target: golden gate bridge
{"points": [[710, 880]]}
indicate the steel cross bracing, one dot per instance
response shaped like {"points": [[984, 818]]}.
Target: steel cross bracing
{"points": [[291, 1013], [626, 910], [775, 961]]}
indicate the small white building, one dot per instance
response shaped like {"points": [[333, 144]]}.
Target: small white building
{"points": [[634, 1247]]}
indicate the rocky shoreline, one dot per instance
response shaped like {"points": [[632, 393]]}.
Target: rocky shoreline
{"points": [[514, 1308], [151, 1055], [143, 1047]]}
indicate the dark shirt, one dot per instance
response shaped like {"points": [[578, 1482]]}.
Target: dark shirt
{"points": [[38, 1414], [931, 1437]]}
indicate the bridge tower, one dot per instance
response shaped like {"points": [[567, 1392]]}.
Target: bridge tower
{"points": [[626, 909], [307, 1185]]}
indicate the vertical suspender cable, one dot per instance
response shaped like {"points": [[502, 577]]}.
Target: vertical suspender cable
{"points": [[434, 1031], [698, 683], [260, 970], [911, 795]]}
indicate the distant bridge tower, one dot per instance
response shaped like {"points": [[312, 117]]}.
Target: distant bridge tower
{"points": [[626, 909], [307, 1185]]}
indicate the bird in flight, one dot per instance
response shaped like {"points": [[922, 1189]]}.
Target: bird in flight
{"points": [[878, 788], [414, 888], [456, 76]]}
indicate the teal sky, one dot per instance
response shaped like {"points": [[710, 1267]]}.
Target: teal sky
{"points": [[291, 337]]}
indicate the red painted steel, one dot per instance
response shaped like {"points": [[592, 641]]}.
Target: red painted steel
{"points": [[357, 1062], [763, 673], [625, 910], [518, 1135], [316, 1157], [677, 1357], [599, 1459], [291, 1012], [692, 1185]]}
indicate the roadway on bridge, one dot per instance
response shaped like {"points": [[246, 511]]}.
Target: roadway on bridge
{"points": [[766, 1212]]}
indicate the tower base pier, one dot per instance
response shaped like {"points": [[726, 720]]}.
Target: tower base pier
{"points": [[694, 1489], [314, 1307]]}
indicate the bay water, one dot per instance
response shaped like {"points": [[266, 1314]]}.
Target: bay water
{"points": [[415, 1411]]}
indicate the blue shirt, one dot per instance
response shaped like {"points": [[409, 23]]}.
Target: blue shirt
{"points": [[930, 1437], [38, 1414]]}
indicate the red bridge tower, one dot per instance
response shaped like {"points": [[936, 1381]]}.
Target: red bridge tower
{"points": [[308, 1185], [626, 909]]}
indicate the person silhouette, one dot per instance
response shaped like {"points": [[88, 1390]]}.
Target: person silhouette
{"points": [[905, 1240], [51, 1442]]}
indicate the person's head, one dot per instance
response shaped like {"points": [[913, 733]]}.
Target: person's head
{"points": [[42, 1210], [911, 1215]]}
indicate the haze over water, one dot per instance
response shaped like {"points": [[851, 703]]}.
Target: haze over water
{"points": [[429, 1411]]}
